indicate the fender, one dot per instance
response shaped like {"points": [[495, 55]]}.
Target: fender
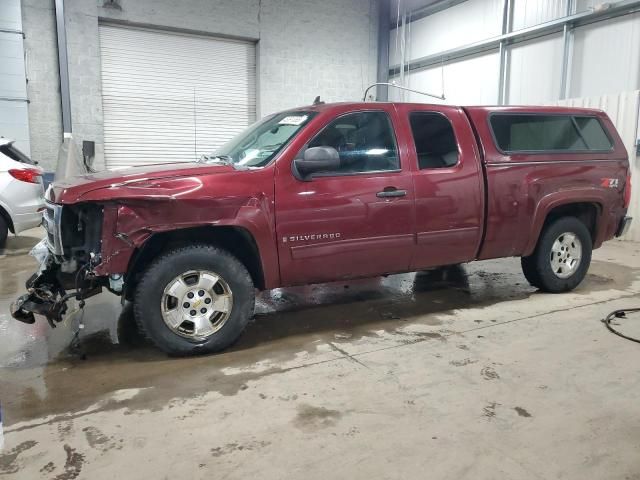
{"points": [[565, 197], [132, 214]]}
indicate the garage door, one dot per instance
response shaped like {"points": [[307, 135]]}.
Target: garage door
{"points": [[171, 97]]}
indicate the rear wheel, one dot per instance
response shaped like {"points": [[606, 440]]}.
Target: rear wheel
{"points": [[194, 300], [561, 258], [4, 231]]}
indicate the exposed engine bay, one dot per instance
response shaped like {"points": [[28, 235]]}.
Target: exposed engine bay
{"points": [[67, 257]]}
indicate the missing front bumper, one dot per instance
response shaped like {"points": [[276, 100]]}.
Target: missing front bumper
{"points": [[45, 296], [25, 306], [47, 293]]}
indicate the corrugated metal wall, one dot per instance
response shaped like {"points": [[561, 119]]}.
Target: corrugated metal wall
{"points": [[469, 81], [605, 56], [462, 24], [527, 13]]}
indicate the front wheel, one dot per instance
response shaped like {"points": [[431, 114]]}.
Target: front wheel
{"points": [[194, 300], [561, 258]]}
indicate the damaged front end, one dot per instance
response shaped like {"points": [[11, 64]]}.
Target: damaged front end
{"points": [[67, 258]]}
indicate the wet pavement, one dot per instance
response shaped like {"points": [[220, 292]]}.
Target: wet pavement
{"points": [[388, 353]]}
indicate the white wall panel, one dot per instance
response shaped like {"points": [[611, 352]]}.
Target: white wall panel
{"points": [[12, 79], [462, 24], [14, 120], [527, 13], [606, 57], [14, 123], [470, 81], [535, 70], [10, 17]]}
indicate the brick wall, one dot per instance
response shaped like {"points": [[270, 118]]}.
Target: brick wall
{"points": [[43, 81]]}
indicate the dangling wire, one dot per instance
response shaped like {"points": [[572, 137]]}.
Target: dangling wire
{"points": [[398, 38], [442, 76], [408, 52]]}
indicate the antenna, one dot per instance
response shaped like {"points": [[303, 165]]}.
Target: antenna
{"points": [[195, 127], [364, 98]]}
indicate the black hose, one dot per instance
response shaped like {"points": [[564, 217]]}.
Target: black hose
{"points": [[620, 314]]}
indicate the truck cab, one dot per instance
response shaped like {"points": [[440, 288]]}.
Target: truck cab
{"points": [[331, 192]]}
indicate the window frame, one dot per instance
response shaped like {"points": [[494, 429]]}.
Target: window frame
{"points": [[300, 153], [415, 148], [556, 151]]}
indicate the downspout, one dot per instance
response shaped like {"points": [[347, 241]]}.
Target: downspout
{"points": [[384, 11], [63, 66], [70, 161]]}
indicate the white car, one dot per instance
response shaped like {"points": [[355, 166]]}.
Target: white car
{"points": [[21, 191]]}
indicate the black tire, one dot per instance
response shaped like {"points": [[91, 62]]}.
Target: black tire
{"points": [[537, 267], [4, 231], [149, 296], [530, 271], [127, 329]]}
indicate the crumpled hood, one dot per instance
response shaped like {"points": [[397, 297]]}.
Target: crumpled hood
{"points": [[75, 189]]}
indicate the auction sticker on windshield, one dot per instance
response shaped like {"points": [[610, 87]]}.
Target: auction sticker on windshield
{"points": [[293, 120]]}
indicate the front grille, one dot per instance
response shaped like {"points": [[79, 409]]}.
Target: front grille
{"points": [[52, 223]]}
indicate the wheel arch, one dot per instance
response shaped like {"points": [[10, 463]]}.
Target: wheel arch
{"points": [[587, 209], [236, 240]]}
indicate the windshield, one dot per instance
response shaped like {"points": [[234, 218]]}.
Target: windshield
{"points": [[261, 142]]}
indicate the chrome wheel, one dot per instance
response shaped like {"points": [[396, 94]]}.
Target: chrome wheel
{"points": [[566, 253], [196, 304]]}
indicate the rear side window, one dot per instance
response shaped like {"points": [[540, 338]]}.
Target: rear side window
{"points": [[593, 133], [541, 133], [436, 144]]}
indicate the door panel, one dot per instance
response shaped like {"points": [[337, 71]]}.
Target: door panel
{"points": [[448, 185], [336, 226]]}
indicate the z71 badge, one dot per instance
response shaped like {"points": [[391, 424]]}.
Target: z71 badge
{"points": [[610, 183]]}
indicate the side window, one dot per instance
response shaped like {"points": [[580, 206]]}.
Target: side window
{"points": [[540, 133], [536, 133], [364, 141], [435, 140]]}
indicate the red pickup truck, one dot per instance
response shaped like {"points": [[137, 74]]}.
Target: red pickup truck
{"points": [[331, 192]]}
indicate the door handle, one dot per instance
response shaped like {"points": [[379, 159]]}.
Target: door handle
{"points": [[390, 192]]}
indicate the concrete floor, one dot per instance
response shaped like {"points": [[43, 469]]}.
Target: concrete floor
{"points": [[464, 372]]}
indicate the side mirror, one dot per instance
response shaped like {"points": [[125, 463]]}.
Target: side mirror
{"points": [[316, 159]]}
